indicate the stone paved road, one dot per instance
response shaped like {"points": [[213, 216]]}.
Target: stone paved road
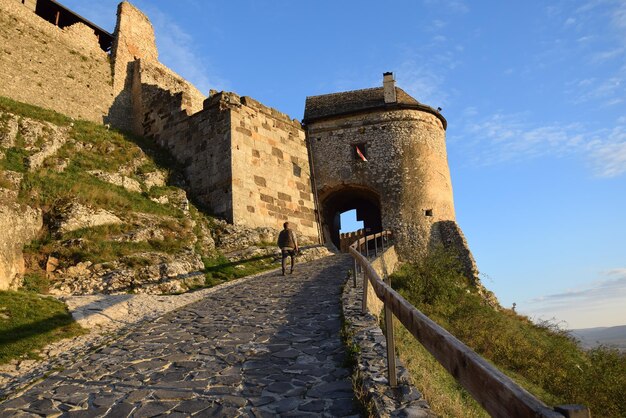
{"points": [[268, 346]]}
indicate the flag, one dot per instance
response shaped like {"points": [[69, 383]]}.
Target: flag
{"points": [[359, 153]]}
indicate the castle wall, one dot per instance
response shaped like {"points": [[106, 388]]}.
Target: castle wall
{"points": [[407, 169], [135, 64], [244, 161], [200, 142], [271, 175], [158, 95], [60, 69]]}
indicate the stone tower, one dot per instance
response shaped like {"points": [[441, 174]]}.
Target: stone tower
{"points": [[383, 153]]}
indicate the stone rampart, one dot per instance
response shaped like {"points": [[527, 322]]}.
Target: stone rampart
{"points": [[138, 74], [245, 162], [60, 69]]}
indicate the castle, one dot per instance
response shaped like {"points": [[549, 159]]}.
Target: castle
{"points": [[376, 150]]}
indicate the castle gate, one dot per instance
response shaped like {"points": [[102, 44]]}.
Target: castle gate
{"points": [[345, 198], [381, 152]]}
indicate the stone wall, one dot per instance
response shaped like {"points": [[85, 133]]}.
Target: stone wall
{"points": [[245, 162], [150, 80], [406, 172], [138, 74], [271, 175], [200, 142], [59, 69]]}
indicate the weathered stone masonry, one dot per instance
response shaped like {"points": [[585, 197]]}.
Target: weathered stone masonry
{"points": [[248, 162], [401, 179], [60, 69], [245, 162]]}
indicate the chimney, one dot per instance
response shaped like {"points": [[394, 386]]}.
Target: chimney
{"points": [[389, 88]]}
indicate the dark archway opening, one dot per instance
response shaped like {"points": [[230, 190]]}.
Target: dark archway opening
{"points": [[364, 201]]}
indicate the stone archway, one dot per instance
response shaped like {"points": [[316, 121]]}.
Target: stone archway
{"points": [[345, 198]]}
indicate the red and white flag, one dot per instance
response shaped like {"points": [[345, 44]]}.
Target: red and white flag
{"points": [[359, 153]]}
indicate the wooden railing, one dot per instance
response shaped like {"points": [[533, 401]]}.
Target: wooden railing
{"points": [[497, 393]]}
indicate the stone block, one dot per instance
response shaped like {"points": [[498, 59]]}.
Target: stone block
{"points": [[284, 196]]}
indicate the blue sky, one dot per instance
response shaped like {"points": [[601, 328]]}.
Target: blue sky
{"points": [[534, 94]]}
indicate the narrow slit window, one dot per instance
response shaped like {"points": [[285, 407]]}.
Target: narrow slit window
{"points": [[297, 170], [359, 152]]}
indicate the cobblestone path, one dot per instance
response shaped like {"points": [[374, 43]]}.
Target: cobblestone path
{"points": [[265, 347]]}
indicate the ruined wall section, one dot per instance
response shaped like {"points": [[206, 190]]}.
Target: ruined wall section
{"points": [[271, 174], [135, 65], [60, 69], [151, 80], [407, 167], [201, 143]]}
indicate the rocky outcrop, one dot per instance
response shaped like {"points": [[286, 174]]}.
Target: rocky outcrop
{"points": [[163, 273], [40, 139], [19, 225], [8, 130], [236, 237], [153, 179], [70, 216], [117, 179]]}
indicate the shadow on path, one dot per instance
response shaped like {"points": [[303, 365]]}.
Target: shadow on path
{"points": [[265, 347]]}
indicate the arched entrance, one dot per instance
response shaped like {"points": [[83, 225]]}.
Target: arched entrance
{"points": [[364, 201]]}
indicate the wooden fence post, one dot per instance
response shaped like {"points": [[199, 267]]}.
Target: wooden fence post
{"points": [[391, 345], [375, 246], [365, 289]]}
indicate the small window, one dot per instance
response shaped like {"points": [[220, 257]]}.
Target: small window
{"points": [[359, 152], [297, 170], [428, 212]]}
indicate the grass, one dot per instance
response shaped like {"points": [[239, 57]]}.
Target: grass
{"points": [[96, 244], [446, 397], [543, 359], [28, 322], [219, 269], [34, 112]]}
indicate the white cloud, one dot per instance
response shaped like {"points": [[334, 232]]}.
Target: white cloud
{"points": [[179, 51], [421, 82], [607, 55], [609, 156], [598, 303], [619, 15], [501, 138]]}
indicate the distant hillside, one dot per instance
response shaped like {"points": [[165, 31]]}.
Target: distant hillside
{"points": [[593, 337]]}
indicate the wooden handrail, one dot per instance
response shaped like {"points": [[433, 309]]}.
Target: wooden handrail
{"points": [[498, 394]]}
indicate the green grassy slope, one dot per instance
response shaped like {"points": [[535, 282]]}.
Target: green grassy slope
{"points": [[543, 359]]}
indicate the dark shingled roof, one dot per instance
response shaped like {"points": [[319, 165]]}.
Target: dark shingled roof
{"points": [[356, 101]]}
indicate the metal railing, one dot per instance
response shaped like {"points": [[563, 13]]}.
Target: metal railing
{"points": [[499, 395]]}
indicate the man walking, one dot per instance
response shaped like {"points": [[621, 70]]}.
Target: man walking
{"points": [[288, 244]]}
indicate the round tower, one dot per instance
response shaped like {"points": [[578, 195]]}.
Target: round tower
{"points": [[383, 153]]}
